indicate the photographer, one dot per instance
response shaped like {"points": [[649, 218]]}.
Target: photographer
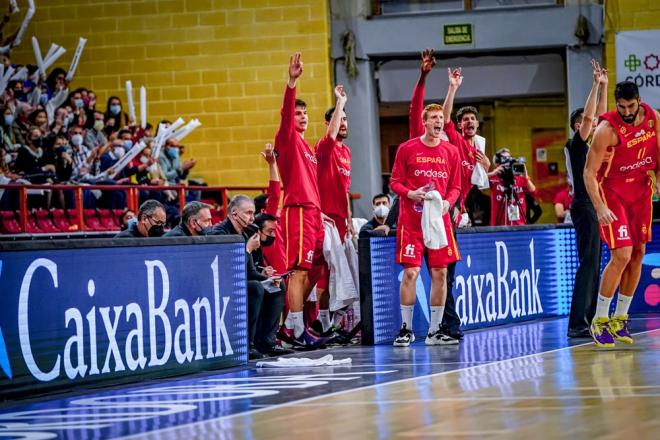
{"points": [[509, 184]]}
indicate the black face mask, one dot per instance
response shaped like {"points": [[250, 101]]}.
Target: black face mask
{"points": [[268, 241], [18, 94], [156, 231], [37, 142]]}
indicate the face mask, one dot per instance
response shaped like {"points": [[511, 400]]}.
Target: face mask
{"points": [[144, 159], [43, 100], [173, 153], [68, 119], [77, 139], [36, 142], [18, 94], [119, 152], [98, 125], [131, 222], [156, 231], [8, 159], [128, 144], [115, 109], [86, 100], [79, 103], [381, 211], [9, 119], [268, 241]]}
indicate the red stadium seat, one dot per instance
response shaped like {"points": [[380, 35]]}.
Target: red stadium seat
{"points": [[73, 219], [61, 222], [9, 223], [92, 221], [31, 227], [116, 215], [44, 222], [217, 215], [108, 221]]}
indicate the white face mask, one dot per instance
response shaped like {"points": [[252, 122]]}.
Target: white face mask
{"points": [[144, 159], [119, 152], [77, 140], [8, 159], [381, 211]]}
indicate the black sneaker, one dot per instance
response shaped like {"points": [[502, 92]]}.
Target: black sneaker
{"points": [[277, 351], [405, 337], [254, 354], [454, 333]]}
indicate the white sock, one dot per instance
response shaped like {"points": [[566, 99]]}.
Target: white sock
{"points": [[337, 317], [603, 307], [406, 316], [296, 323], [436, 318], [324, 317], [622, 304]]}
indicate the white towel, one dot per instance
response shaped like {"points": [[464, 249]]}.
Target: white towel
{"points": [[479, 175], [433, 225], [342, 288], [325, 361]]}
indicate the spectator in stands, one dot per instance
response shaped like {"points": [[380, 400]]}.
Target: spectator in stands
{"points": [[31, 163], [126, 138], [562, 202], [62, 151], [39, 118], [195, 219], [77, 104], [125, 219], [377, 225], [171, 166], [272, 305], [115, 118], [95, 136], [56, 80], [12, 136], [150, 221], [91, 100], [239, 222]]}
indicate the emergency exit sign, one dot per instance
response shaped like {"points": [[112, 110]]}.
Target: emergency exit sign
{"points": [[458, 34]]}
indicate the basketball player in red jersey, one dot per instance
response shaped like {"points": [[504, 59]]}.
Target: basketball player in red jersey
{"points": [[623, 151], [301, 214], [334, 177], [421, 165]]}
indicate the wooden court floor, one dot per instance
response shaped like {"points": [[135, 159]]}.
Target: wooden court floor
{"points": [[578, 392]]}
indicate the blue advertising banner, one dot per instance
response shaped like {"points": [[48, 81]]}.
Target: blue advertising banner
{"points": [[503, 277], [75, 316]]}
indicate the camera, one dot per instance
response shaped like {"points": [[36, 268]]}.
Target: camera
{"points": [[512, 166]]}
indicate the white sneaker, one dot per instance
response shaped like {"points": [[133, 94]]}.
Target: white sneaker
{"points": [[404, 338], [439, 338]]}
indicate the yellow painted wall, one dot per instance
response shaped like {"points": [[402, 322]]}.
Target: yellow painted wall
{"points": [[221, 61], [626, 15]]}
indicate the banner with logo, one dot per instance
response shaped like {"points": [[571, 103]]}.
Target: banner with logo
{"points": [[72, 317], [638, 60], [503, 277]]}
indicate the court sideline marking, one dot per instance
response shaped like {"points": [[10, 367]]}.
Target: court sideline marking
{"points": [[338, 393]]}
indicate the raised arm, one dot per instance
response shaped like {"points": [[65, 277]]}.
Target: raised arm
{"points": [[590, 106], [455, 81], [603, 137], [602, 99], [337, 115], [286, 130], [415, 124], [274, 187]]}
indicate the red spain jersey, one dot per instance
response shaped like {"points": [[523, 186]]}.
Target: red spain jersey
{"points": [[636, 152], [295, 159], [334, 173], [468, 155]]}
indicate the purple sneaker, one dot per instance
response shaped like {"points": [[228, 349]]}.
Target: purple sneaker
{"points": [[620, 330], [307, 341], [600, 331]]}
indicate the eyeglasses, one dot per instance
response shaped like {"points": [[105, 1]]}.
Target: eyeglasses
{"points": [[155, 222]]}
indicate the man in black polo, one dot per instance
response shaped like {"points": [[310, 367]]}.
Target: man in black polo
{"points": [[150, 221], [195, 218], [583, 214]]}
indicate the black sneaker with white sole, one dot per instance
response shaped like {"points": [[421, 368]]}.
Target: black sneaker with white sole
{"points": [[404, 338], [440, 337]]}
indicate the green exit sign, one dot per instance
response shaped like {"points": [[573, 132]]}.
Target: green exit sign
{"points": [[458, 34]]}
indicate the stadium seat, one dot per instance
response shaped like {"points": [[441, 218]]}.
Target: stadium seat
{"points": [[31, 227], [9, 223], [108, 220], [116, 215], [61, 222], [92, 221], [73, 219], [43, 221], [217, 215]]}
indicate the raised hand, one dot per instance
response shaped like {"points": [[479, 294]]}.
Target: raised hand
{"points": [[600, 74], [455, 77], [269, 154], [340, 94], [428, 60], [295, 68]]}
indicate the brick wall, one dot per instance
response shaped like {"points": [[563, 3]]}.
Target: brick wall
{"points": [[221, 61]]}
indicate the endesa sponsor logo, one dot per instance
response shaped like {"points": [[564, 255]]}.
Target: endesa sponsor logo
{"points": [[432, 174], [311, 158], [648, 160]]}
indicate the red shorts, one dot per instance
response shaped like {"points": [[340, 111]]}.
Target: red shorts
{"points": [[303, 236], [342, 228], [633, 208], [410, 247]]}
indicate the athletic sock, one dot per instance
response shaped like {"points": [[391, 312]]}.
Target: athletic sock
{"points": [[337, 317], [324, 317], [622, 304], [436, 318], [297, 323], [603, 307], [406, 316]]}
